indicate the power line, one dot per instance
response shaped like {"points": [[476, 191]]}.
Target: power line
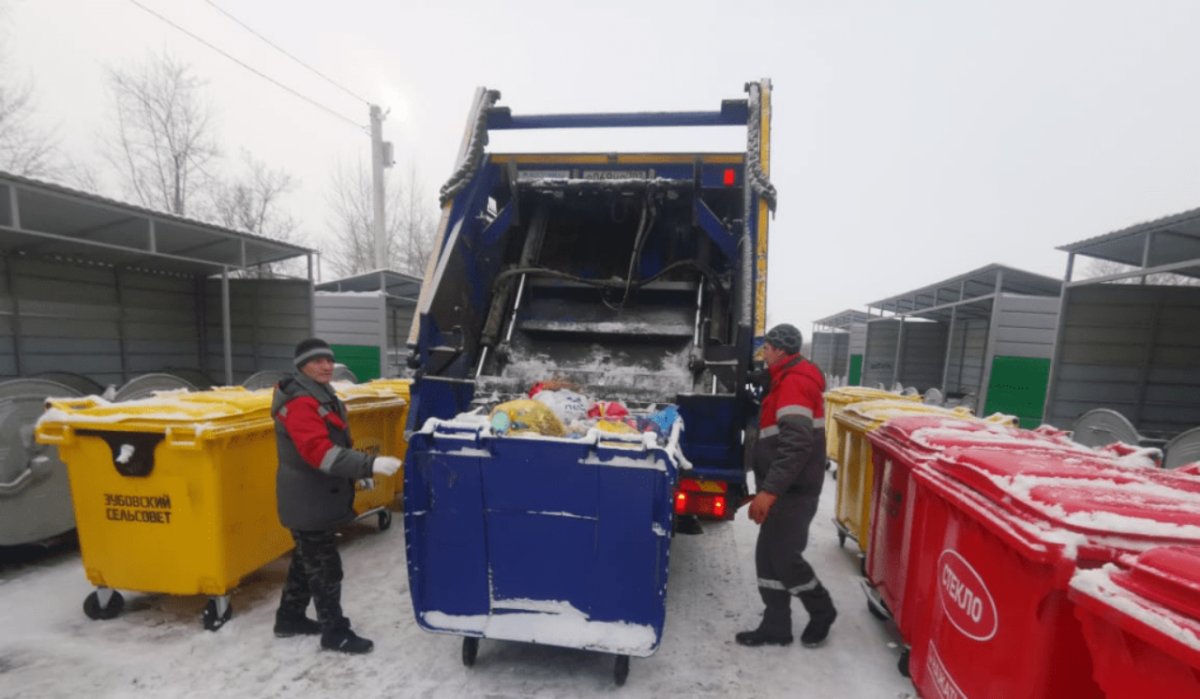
{"points": [[280, 50], [251, 69]]}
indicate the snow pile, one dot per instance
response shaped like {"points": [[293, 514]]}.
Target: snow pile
{"points": [[552, 623]]}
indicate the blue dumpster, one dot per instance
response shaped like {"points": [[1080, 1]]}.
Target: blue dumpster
{"points": [[555, 541]]}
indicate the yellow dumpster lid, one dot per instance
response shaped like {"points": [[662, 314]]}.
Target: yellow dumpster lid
{"points": [[373, 394], [216, 410], [854, 394], [401, 387], [868, 415]]}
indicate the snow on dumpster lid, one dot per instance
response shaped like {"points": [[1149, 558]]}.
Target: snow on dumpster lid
{"points": [[872, 413], [1168, 575], [851, 394], [1095, 492], [1159, 595], [172, 406], [1114, 497]]}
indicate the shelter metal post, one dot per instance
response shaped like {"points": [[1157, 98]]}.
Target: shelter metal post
{"points": [[226, 326]]}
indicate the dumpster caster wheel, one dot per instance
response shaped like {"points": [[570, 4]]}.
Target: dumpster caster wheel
{"points": [[93, 610], [902, 665], [385, 520], [841, 540], [216, 613], [470, 650], [880, 614], [621, 670]]}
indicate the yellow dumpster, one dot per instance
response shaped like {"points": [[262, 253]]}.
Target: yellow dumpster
{"points": [[173, 494], [855, 470], [377, 411], [836, 401]]}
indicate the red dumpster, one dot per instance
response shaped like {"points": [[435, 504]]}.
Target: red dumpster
{"points": [[996, 522], [894, 525], [1142, 624]]}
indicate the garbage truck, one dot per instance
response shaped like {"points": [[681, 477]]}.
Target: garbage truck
{"points": [[637, 278], [583, 349]]}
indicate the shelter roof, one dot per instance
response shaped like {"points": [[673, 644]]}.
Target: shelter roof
{"points": [[971, 293], [51, 220], [396, 285], [842, 321], [1171, 241]]}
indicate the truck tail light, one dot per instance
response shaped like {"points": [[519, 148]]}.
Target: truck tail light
{"points": [[729, 177], [702, 498]]}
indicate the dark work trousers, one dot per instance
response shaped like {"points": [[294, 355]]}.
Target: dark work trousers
{"points": [[782, 570], [315, 574]]}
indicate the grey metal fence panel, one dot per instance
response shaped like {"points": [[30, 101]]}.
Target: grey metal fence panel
{"points": [[1134, 349]]}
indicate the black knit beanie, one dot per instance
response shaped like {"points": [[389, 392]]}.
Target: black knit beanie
{"points": [[785, 337], [310, 349]]}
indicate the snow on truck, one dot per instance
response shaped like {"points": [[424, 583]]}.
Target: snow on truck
{"points": [[634, 280]]}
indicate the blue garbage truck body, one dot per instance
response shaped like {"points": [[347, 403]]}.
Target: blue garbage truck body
{"points": [[637, 278]]}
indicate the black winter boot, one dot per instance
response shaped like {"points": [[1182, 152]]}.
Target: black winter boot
{"points": [[346, 641], [821, 615], [758, 637], [288, 625], [775, 629]]}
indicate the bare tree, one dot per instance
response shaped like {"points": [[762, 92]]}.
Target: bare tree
{"points": [[161, 138], [1095, 267], [25, 149], [418, 226], [253, 203], [409, 224]]}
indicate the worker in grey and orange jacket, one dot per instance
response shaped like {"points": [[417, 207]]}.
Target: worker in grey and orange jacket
{"points": [[789, 471], [314, 486]]}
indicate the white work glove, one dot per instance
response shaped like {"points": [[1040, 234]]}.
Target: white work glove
{"points": [[387, 465], [366, 484]]}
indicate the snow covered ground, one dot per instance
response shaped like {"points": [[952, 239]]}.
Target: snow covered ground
{"points": [[157, 648]]}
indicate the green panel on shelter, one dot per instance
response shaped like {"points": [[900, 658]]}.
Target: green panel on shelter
{"points": [[363, 360], [855, 378], [1018, 387]]}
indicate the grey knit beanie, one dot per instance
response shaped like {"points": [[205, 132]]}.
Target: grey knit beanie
{"points": [[785, 337], [310, 349]]}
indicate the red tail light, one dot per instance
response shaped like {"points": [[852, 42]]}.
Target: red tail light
{"points": [[703, 498], [730, 177]]}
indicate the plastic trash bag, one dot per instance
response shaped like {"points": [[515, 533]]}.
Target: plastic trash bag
{"points": [[568, 405], [608, 409], [524, 416]]}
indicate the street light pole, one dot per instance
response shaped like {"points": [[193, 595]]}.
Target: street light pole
{"points": [[381, 157]]}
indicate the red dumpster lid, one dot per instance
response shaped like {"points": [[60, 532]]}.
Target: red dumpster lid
{"points": [[1088, 492], [1156, 599], [1168, 575], [1115, 498], [932, 433]]}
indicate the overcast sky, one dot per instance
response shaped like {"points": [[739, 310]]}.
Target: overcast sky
{"points": [[912, 141]]}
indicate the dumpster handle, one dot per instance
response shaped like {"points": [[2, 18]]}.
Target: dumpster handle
{"points": [[133, 452], [36, 472], [675, 449], [51, 433]]}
